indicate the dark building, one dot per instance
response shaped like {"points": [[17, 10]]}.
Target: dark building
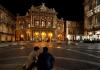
{"points": [[74, 30], [92, 19], [7, 25]]}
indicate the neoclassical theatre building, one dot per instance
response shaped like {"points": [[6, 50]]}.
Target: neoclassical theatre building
{"points": [[39, 24]]}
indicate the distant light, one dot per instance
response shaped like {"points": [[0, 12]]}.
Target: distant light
{"points": [[69, 37], [22, 35], [58, 47]]}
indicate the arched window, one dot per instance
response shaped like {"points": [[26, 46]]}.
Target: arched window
{"points": [[98, 18], [29, 25], [1, 28], [43, 23], [5, 30], [90, 20], [36, 23], [49, 24]]}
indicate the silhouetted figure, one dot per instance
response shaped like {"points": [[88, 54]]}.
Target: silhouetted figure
{"points": [[45, 60], [32, 59]]}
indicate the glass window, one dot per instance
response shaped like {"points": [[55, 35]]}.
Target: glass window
{"points": [[90, 20], [36, 23], [49, 24], [29, 25], [4, 28], [1, 28], [43, 23], [97, 2], [22, 26], [98, 18], [3, 37]]}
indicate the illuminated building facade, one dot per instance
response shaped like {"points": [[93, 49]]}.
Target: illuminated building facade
{"points": [[7, 25], [92, 20], [39, 24], [74, 30]]}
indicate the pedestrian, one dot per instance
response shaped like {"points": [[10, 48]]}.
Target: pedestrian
{"points": [[32, 59], [45, 60]]}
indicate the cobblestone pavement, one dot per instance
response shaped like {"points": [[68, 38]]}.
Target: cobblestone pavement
{"points": [[74, 57], [19, 67]]}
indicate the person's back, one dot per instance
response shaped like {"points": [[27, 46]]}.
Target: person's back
{"points": [[46, 60], [32, 58], [49, 61]]}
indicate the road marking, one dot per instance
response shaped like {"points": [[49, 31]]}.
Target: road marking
{"points": [[81, 52], [78, 60], [84, 53], [13, 64], [62, 58], [92, 51], [13, 58]]}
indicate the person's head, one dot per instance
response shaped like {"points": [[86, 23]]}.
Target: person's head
{"points": [[45, 49], [36, 48]]}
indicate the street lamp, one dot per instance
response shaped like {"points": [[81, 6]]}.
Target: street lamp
{"points": [[36, 33], [22, 36]]}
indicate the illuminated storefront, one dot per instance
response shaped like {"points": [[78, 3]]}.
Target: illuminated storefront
{"points": [[40, 24]]}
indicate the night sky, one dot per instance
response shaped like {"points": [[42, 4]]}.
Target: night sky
{"points": [[67, 9]]}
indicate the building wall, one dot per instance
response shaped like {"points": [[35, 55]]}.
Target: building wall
{"points": [[92, 19], [7, 26], [39, 23], [74, 30], [60, 30]]}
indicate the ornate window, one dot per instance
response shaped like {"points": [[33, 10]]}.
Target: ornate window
{"points": [[98, 19], [59, 28], [5, 30], [43, 23], [90, 20], [22, 26], [29, 25], [37, 23], [49, 24], [1, 28]]}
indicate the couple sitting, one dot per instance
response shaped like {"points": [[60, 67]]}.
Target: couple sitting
{"points": [[42, 61]]}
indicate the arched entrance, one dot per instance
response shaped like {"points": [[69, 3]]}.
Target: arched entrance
{"points": [[50, 35], [43, 35], [36, 36]]}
